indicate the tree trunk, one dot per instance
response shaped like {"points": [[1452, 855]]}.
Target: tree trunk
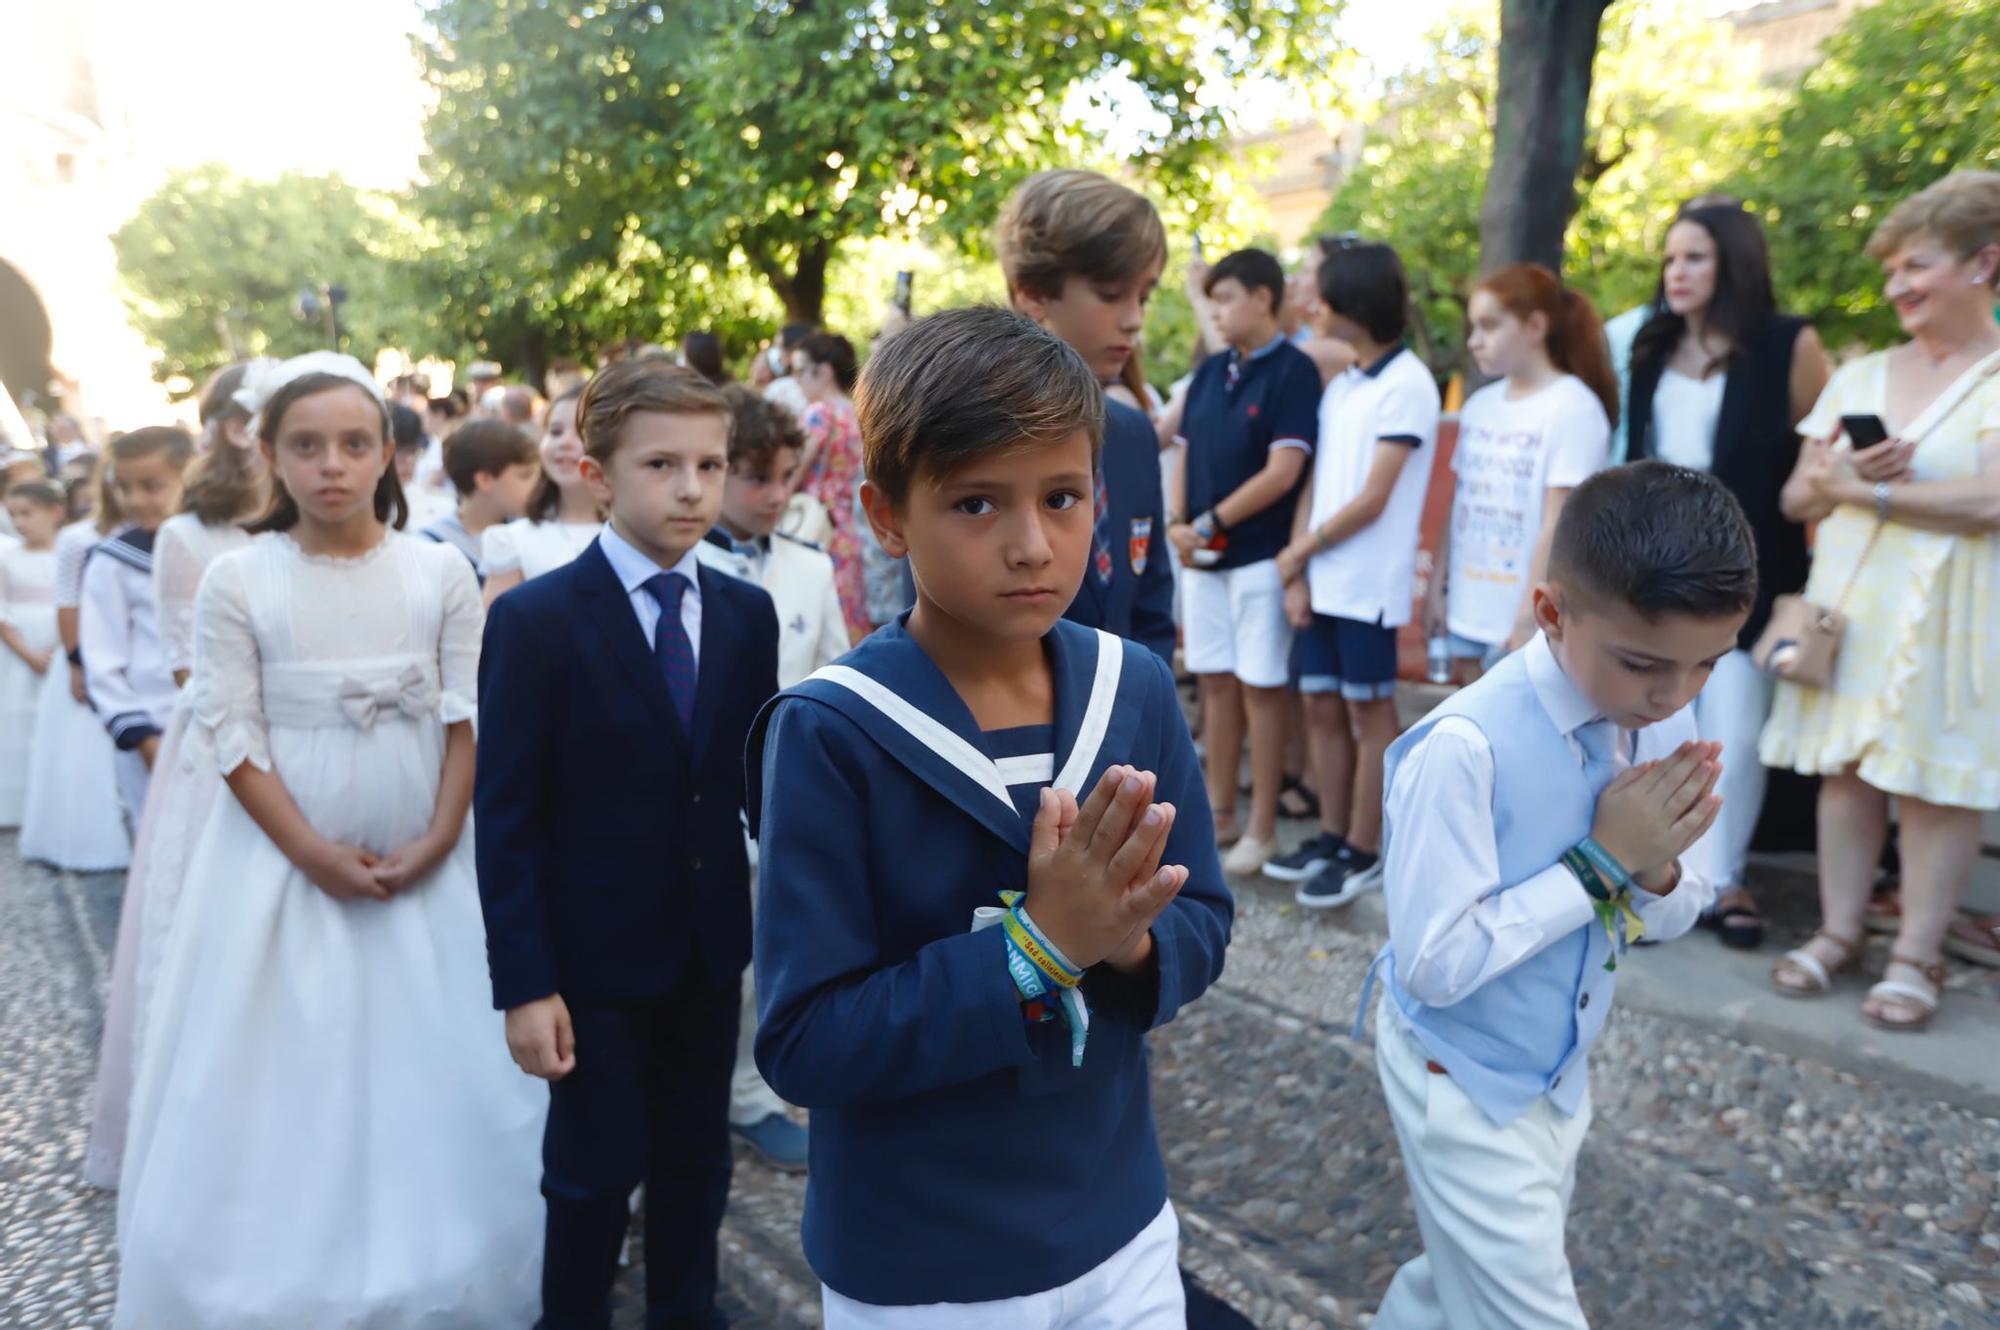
{"points": [[1546, 51], [802, 291]]}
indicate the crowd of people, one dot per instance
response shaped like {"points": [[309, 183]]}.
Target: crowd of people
{"points": [[444, 738]]}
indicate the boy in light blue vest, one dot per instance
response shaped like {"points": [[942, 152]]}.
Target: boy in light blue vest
{"points": [[1534, 828]]}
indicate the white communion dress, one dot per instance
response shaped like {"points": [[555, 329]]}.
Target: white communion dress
{"points": [[327, 1132]]}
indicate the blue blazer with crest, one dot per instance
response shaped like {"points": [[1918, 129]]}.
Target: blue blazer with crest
{"points": [[1139, 602], [957, 1155], [610, 842]]}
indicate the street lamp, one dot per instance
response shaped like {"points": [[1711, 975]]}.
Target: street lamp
{"points": [[324, 302]]}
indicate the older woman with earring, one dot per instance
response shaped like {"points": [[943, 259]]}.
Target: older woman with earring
{"points": [[1908, 549]]}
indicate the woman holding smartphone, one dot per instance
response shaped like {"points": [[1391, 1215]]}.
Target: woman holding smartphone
{"points": [[1719, 382], [1907, 550]]}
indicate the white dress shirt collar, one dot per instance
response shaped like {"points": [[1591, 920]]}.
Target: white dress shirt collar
{"points": [[634, 569], [1565, 703]]}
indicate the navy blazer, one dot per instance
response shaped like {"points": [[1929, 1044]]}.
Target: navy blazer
{"points": [[957, 1155], [610, 842], [1139, 603]]}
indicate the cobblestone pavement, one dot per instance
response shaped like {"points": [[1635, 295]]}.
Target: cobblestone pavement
{"points": [[1723, 1185]]}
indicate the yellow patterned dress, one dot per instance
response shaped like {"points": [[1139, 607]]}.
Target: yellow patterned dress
{"points": [[1914, 707]]}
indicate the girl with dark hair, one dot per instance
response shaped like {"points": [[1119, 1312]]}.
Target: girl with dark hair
{"points": [[830, 471], [320, 1026], [561, 518], [1720, 381], [1523, 443]]}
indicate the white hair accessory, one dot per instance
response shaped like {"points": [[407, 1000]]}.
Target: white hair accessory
{"points": [[264, 376]]}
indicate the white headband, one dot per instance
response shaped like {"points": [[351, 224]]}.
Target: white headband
{"points": [[264, 376]]}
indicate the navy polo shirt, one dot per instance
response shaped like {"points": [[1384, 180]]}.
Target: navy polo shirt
{"points": [[1237, 409]]}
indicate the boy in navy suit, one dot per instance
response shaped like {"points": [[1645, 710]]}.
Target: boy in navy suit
{"points": [[615, 695], [957, 964], [1082, 254]]}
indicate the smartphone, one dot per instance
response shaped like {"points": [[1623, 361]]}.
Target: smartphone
{"points": [[1863, 431], [904, 282]]}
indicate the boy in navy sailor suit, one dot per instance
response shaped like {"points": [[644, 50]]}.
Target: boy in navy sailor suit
{"points": [[615, 695], [982, 1130]]}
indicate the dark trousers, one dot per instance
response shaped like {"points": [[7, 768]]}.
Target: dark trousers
{"points": [[648, 1102]]}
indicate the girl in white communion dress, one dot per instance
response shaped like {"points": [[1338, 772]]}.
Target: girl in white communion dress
{"points": [[326, 1131]]}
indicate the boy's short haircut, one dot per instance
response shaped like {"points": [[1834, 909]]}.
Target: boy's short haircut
{"points": [[961, 385], [645, 384], [45, 493], [1078, 222], [1254, 270], [486, 447], [1659, 538], [1365, 282], [169, 441], [760, 429]]}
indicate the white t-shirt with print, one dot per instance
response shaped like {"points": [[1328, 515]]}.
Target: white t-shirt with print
{"points": [[1371, 576], [1509, 454]]}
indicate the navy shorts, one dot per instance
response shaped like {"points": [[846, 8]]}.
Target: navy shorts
{"points": [[1346, 656]]}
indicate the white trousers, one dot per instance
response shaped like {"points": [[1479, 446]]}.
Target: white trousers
{"points": [[1731, 709], [1491, 1201], [133, 778], [1137, 1288]]}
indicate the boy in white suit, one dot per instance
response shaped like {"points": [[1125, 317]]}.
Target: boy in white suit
{"points": [[765, 444]]}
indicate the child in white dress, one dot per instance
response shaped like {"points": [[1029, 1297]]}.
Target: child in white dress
{"points": [[326, 1131], [28, 647], [73, 819], [225, 486], [562, 517]]}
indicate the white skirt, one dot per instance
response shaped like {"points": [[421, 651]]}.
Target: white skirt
{"points": [[327, 1132], [73, 818], [20, 698]]}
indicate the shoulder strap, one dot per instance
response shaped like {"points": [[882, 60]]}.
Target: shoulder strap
{"points": [[1950, 399], [1927, 420]]}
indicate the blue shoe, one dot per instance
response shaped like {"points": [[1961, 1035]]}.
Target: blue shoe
{"points": [[1306, 861], [1341, 882], [778, 1141]]}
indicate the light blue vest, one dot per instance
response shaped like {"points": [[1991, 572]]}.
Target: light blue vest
{"points": [[1528, 1032]]}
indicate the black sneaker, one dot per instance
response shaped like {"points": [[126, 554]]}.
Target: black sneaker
{"points": [[1314, 854], [1347, 878]]}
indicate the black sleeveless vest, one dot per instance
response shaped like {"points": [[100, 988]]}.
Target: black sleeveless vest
{"points": [[1755, 450]]}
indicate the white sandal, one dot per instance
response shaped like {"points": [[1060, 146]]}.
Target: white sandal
{"points": [[1925, 1000], [1798, 973]]}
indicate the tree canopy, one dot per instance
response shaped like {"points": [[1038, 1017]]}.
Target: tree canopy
{"points": [[213, 264], [677, 154], [1908, 91], [1649, 142]]}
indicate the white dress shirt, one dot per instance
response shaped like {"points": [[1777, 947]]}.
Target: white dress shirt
{"points": [[1465, 924], [634, 570]]}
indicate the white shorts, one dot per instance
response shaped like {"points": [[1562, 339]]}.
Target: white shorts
{"points": [[1235, 623], [1137, 1288]]}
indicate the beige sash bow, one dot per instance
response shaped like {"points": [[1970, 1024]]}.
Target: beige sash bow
{"points": [[411, 692]]}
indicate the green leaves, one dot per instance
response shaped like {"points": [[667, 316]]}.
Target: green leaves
{"points": [[1908, 91], [1648, 143], [732, 140], [213, 265]]}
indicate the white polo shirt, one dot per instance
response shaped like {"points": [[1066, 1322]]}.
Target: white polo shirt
{"points": [[1371, 576]]}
